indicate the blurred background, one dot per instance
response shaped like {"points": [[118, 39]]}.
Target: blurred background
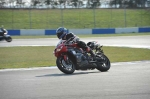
{"points": [[75, 14]]}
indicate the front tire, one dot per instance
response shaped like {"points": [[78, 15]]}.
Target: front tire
{"points": [[8, 39], [66, 67], [103, 63]]}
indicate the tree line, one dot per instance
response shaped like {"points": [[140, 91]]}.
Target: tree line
{"points": [[77, 3], [129, 3]]}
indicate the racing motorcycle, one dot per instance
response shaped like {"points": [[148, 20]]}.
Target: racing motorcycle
{"points": [[69, 57], [5, 36]]}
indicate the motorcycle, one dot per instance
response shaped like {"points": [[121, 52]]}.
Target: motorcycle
{"points": [[69, 57], [5, 36]]}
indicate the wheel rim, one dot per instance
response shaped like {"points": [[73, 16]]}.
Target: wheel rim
{"points": [[105, 61], [67, 65], [9, 39], [104, 65]]}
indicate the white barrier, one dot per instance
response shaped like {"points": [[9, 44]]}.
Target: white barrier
{"points": [[81, 31], [127, 30], [32, 32]]}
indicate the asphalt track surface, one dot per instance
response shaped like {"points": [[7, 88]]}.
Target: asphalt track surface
{"points": [[123, 41], [124, 80]]}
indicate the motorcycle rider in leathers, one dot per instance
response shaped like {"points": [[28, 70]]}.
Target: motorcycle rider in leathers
{"points": [[2, 31], [62, 33]]}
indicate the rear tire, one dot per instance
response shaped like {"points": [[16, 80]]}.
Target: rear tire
{"points": [[67, 68], [104, 64]]}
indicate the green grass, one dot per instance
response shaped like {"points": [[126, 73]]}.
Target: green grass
{"points": [[26, 57], [73, 18], [19, 57]]}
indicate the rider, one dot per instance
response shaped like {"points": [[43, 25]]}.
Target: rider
{"points": [[62, 33], [2, 31]]}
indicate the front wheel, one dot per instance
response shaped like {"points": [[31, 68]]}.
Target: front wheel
{"points": [[8, 39], [103, 63], [66, 67]]}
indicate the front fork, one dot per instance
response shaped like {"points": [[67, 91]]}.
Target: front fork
{"points": [[66, 59]]}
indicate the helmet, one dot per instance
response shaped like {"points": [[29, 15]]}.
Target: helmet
{"points": [[61, 32]]}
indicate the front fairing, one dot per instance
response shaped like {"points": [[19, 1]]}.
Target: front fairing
{"points": [[60, 42], [7, 35], [60, 48]]}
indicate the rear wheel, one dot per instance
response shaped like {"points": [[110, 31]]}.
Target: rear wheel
{"points": [[66, 67], [103, 63]]}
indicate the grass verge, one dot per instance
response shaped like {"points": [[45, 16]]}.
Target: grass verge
{"points": [[26, 57]]}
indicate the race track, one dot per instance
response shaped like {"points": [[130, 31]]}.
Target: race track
{"points": [[124, 80], [123, 41]]}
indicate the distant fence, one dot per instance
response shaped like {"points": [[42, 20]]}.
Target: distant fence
{"points": [[31, 18], [80, 31]]}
